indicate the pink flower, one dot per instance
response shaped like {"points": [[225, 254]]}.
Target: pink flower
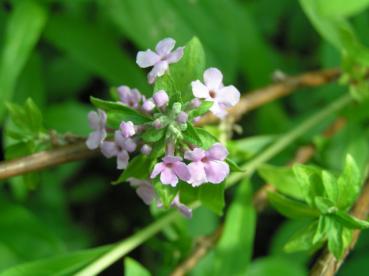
{"points": [[170, 170], [97, 121], [207, 166], [120, 148], [130, 97], [160, 98], [213, 90], [148, 105], [160, 59], [127, 129], [144, 190]]}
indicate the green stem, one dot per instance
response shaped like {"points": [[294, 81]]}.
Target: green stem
{"points": [[288, 138], [137, 239], [128, 245]]}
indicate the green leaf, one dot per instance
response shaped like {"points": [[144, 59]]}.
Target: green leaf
{"points": [[309, 179], [233, 166], [330, 186], [166, 193], [350, 221], [153, 135], [177, 82], [302, 240], [67, 264], [187, 193], [95, 48], [139, 167], [190, 135], [234, 250], [202, 109], [212, 197], [118, 112], [134, 268], [349, 184], [25, 25], [282, 178], [275, 266], [207, 140], [339, 238], [341, 7], [322, 230], [34, 116], [291, 208]]}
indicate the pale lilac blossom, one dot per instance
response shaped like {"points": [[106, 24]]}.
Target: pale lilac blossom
{"points": [[120, 148], [160, 59], [148, 105], [127, 129], [146, 149], [213, 90], [130, 97], [160, 98], [195, 103], [182, 117], [97, 121], [207, 166], [144, 190], [170, 170]]}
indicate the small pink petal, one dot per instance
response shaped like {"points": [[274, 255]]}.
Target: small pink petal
{"points": [[158, 71], [216, 171], [217, 152], [213, 78], [109, 149], [218, 110], [122, 160], [181, 171], [159, 167], [94, 120], [165, 46], [199, 90], [194, 155], [197, 172], [147, 58], [228, 95], [175, 56], [167, 176], [94, 140], [171, 159]]}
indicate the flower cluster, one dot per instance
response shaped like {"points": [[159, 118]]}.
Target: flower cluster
{"points": [[165, 119]]}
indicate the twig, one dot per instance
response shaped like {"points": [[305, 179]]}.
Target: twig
{"points": [[248, 102], [45, 159], [303, 155], [327, 264]]}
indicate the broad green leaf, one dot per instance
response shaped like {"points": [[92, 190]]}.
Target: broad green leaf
{"points": [[339, 238], [282, 178], [324, 205], [275, 266], [212, 197], [341, 7], [22, 33], [291, 208], [202, 109], [66, 264], [118, 112], [177, 81], [190, 135], [94, 48], [234, 249], [309, 179], [330, 186], [302, 240], [166, 193], [206, 138], [134, 268], [34, 116], [322, 230], [349, 184], [153, 135], [139, 167], [187, 193], [349, 221]]}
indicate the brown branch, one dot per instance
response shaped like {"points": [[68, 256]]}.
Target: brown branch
{"points": [[45, 159], [248, 102], [327, 264], [303, 155]]}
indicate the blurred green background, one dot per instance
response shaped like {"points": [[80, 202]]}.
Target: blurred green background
{"points": [[59, 52]]}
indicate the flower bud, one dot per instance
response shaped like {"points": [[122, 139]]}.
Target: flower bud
{"points": [[148, 105], [146, 149], [157, 124], [127, 129], [177, 108], [161, 98], [182, 117], [195, 103]]}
